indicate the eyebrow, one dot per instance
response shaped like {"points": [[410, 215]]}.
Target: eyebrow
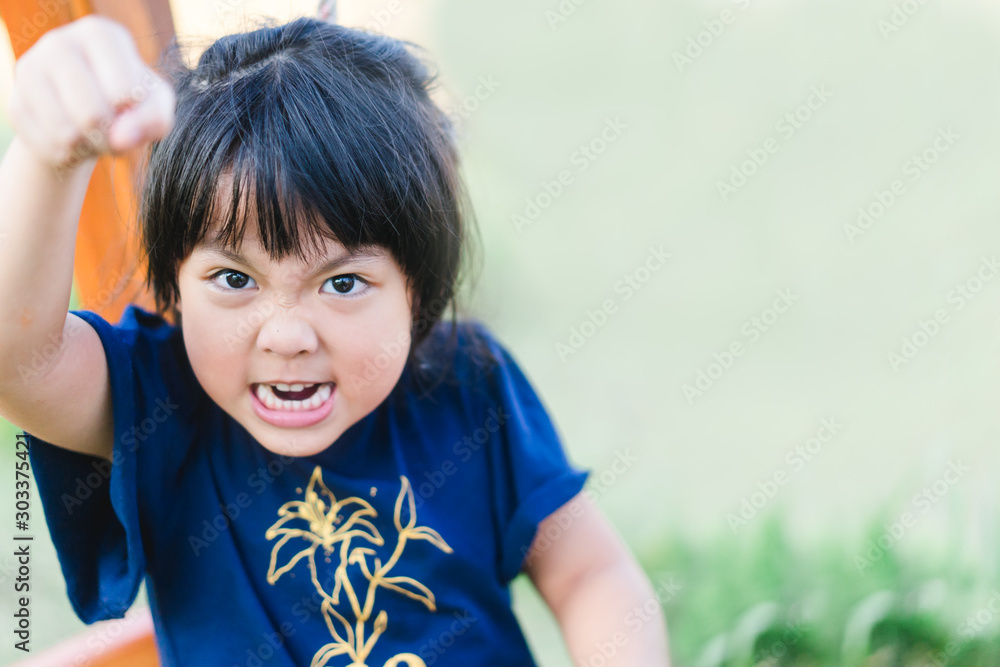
{"points": [[361, 256]]}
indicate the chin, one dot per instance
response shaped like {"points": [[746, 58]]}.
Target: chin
{"points": [[296, 444]]}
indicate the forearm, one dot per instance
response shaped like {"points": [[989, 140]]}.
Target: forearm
{"points": [[613, 618], [38, 225]]}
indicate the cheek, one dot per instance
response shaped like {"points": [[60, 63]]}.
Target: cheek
{"points": [[373, 355], [214, 355]]}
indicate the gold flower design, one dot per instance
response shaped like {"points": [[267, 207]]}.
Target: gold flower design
{"points": [[320, 516], [327, 527]]}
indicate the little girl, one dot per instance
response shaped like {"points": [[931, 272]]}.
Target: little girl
{"points": [[307, 466]]}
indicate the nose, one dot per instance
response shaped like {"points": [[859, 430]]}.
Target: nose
{"points": [[287, 335]]}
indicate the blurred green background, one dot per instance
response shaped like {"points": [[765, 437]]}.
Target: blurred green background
{"points": [[745, 137]]}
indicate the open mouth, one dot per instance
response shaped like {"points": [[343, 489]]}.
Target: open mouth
{"points": [[293, 405], [294, 397]]}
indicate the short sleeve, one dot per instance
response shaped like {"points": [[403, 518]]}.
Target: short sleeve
{"points": [[531, 475], [90, 504]]}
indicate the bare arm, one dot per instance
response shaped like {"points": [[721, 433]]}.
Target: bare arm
{"points": [[605, 606], [70, 103]]}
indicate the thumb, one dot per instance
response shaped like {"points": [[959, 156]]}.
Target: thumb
{"points": [[147, 120]]}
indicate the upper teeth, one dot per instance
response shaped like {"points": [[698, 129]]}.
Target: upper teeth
{"points": [[291, 387]]}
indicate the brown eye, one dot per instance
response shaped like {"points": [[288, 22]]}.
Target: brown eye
{"points": [[232, 280], [348, 284], [236, 280], [343, 284]]}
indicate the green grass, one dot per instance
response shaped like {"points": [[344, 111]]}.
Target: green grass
{"points": [[763, 601]]}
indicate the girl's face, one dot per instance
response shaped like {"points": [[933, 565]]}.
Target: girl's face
{"points": [[296, 352]]}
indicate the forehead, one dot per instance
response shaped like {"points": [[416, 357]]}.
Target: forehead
{"points": [[233, 230], [245, 240], [330, 258], [242, 235], [249, 248]]}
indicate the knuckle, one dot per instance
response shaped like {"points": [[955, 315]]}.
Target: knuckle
{"points": [[123, 34], [92, 24], [93, 29], [90, 117], [45, 41], [57, 39], [138, 93], [65, 136], [86, 22]]}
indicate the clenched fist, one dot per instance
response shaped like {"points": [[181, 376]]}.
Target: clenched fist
{"points": [[83, 90]]}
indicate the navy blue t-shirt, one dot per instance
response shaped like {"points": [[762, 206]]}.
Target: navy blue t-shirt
{"points": [[396, 545]]}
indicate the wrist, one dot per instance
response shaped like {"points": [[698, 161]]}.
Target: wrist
{"points": [[75, 167]]}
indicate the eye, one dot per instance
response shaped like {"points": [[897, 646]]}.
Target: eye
{"points": [[346, 284], [232, 280]]}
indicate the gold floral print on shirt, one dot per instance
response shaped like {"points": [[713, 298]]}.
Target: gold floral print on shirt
{"points": [[330, 521]]}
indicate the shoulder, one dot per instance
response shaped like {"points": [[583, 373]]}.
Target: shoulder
{"points": [[463, 354], [144, 352], [136, 326], [472, 367]]}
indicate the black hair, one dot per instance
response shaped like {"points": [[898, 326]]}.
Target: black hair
{"points": [[318, 124]]}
